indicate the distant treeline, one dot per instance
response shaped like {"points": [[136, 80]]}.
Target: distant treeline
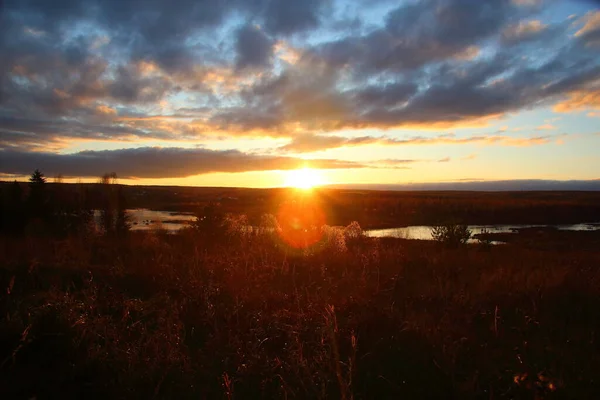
{"points": [[42, 208], [383, 209], [380, 209], [372, 209]]}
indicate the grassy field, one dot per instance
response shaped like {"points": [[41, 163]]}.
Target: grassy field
{"points": [[372, 209], [384, 209], [182, 316]]}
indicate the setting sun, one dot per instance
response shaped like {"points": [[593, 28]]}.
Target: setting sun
{"points": [[304, 178]]}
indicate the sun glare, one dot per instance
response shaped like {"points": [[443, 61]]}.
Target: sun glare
{"points": [[304, 178]]}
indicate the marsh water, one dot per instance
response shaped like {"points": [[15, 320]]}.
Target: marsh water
{"points": [[145, 219], [142, 219], [424, 232]]}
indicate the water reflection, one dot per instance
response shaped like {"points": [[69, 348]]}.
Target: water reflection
{"points": [[144, 219], [424, 232]]}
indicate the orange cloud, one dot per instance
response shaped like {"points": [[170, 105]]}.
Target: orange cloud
{"points": [[591, 22], [468, 54], [286, 52], [16, 141], [523, 29], [520, 142], [160, 162], [580, 100], [308, 143], [61, 94], [146, 68], [470, 157], [545, 127], [105, 110]]}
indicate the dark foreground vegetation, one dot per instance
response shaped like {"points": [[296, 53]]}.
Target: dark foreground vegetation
{"points": [[181, 316], [290, 309], [153, 315]]}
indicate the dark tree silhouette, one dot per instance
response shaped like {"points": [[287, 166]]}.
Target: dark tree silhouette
{"points": [[38, 198], [37, 178]]}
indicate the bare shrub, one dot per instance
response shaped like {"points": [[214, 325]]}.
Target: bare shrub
{"points": [[451, 234], [334, 238], [269, 223], [353, 233]]}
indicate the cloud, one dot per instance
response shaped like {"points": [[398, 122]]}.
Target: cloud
{"points": [[545, 127], [523, 31], [155, 162], [21, 142], [187, 70], [444, 160], [254, 48], [27, 133], [389, 95], [308, 96], [395, 161], [307, 143], [287, 53], [468, 54], [392, 164], [418, 33], [588, 98], [590, 31], [105, 110], [288, 17], [469, 157], [132, 86], [527, 3], [304, 96]]}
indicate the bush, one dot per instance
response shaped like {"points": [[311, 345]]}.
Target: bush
{"points": [[334, 239], [354, 234], [210, 220], [237, 226], [269, 223], [451, 234], [353, 231]]}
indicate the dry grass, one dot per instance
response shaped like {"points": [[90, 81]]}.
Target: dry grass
{"points": [[169, 316]]}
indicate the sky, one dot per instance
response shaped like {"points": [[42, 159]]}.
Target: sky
{"points": [[244, 92]]}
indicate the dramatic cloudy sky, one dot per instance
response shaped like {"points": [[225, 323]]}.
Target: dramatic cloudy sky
{"points": [[236, 92]]}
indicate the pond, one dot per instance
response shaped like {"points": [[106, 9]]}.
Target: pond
{"points": [[145, 219], [142, 219], [424, 232]]}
